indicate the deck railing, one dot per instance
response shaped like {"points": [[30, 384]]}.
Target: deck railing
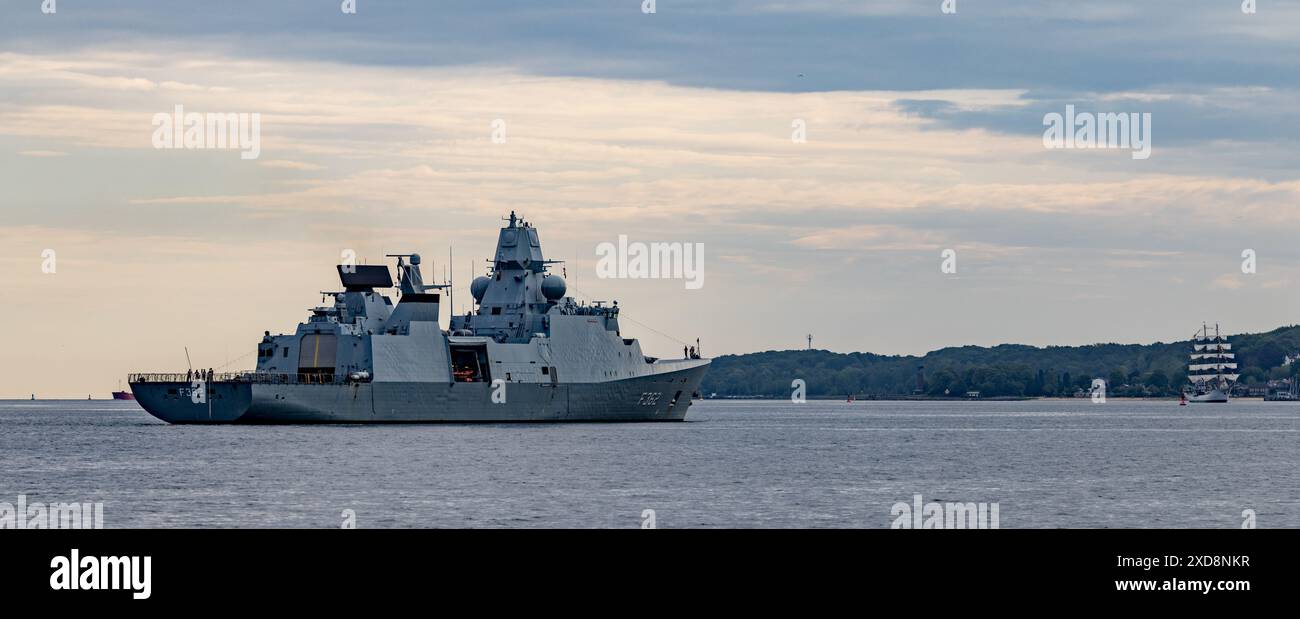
{"points": [[264, 378]]}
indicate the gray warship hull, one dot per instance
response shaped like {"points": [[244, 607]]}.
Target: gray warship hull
{"points": [[660, 397]]}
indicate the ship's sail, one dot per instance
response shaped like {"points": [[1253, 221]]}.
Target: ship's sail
{"points": [[1212, 377], [1213, 346], [1211, 366], [1213, 355]]}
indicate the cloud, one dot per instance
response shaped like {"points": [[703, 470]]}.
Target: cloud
{"points": [[668, 131], [1103, 45], [1230, 281], [290, 165]]}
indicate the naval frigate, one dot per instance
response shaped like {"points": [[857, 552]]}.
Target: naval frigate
{"points": [[526, 352]]}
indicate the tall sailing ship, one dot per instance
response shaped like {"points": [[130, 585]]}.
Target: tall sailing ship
{"points": [[1213, 367]]}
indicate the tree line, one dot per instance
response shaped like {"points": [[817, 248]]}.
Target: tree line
{"points": [[1015, 370]]}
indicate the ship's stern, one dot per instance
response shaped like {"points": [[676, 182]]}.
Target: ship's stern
{"points": [[172, 398]]}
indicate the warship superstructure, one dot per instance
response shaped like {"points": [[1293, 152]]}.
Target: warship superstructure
{"points": [[526, 352]]}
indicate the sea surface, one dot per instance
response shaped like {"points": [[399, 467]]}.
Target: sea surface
{"points": [[1048, 463]]}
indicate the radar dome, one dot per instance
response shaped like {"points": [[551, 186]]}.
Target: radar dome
{"points": [[415, 258], [553, 287], [478, 287]]}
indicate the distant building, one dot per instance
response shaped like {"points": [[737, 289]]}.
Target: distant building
{"points": [[1284, 389]]}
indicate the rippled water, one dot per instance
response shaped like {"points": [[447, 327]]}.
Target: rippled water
{"points": [[732, 464]]}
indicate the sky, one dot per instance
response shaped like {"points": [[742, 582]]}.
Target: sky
{"points": [[922, 132]]}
